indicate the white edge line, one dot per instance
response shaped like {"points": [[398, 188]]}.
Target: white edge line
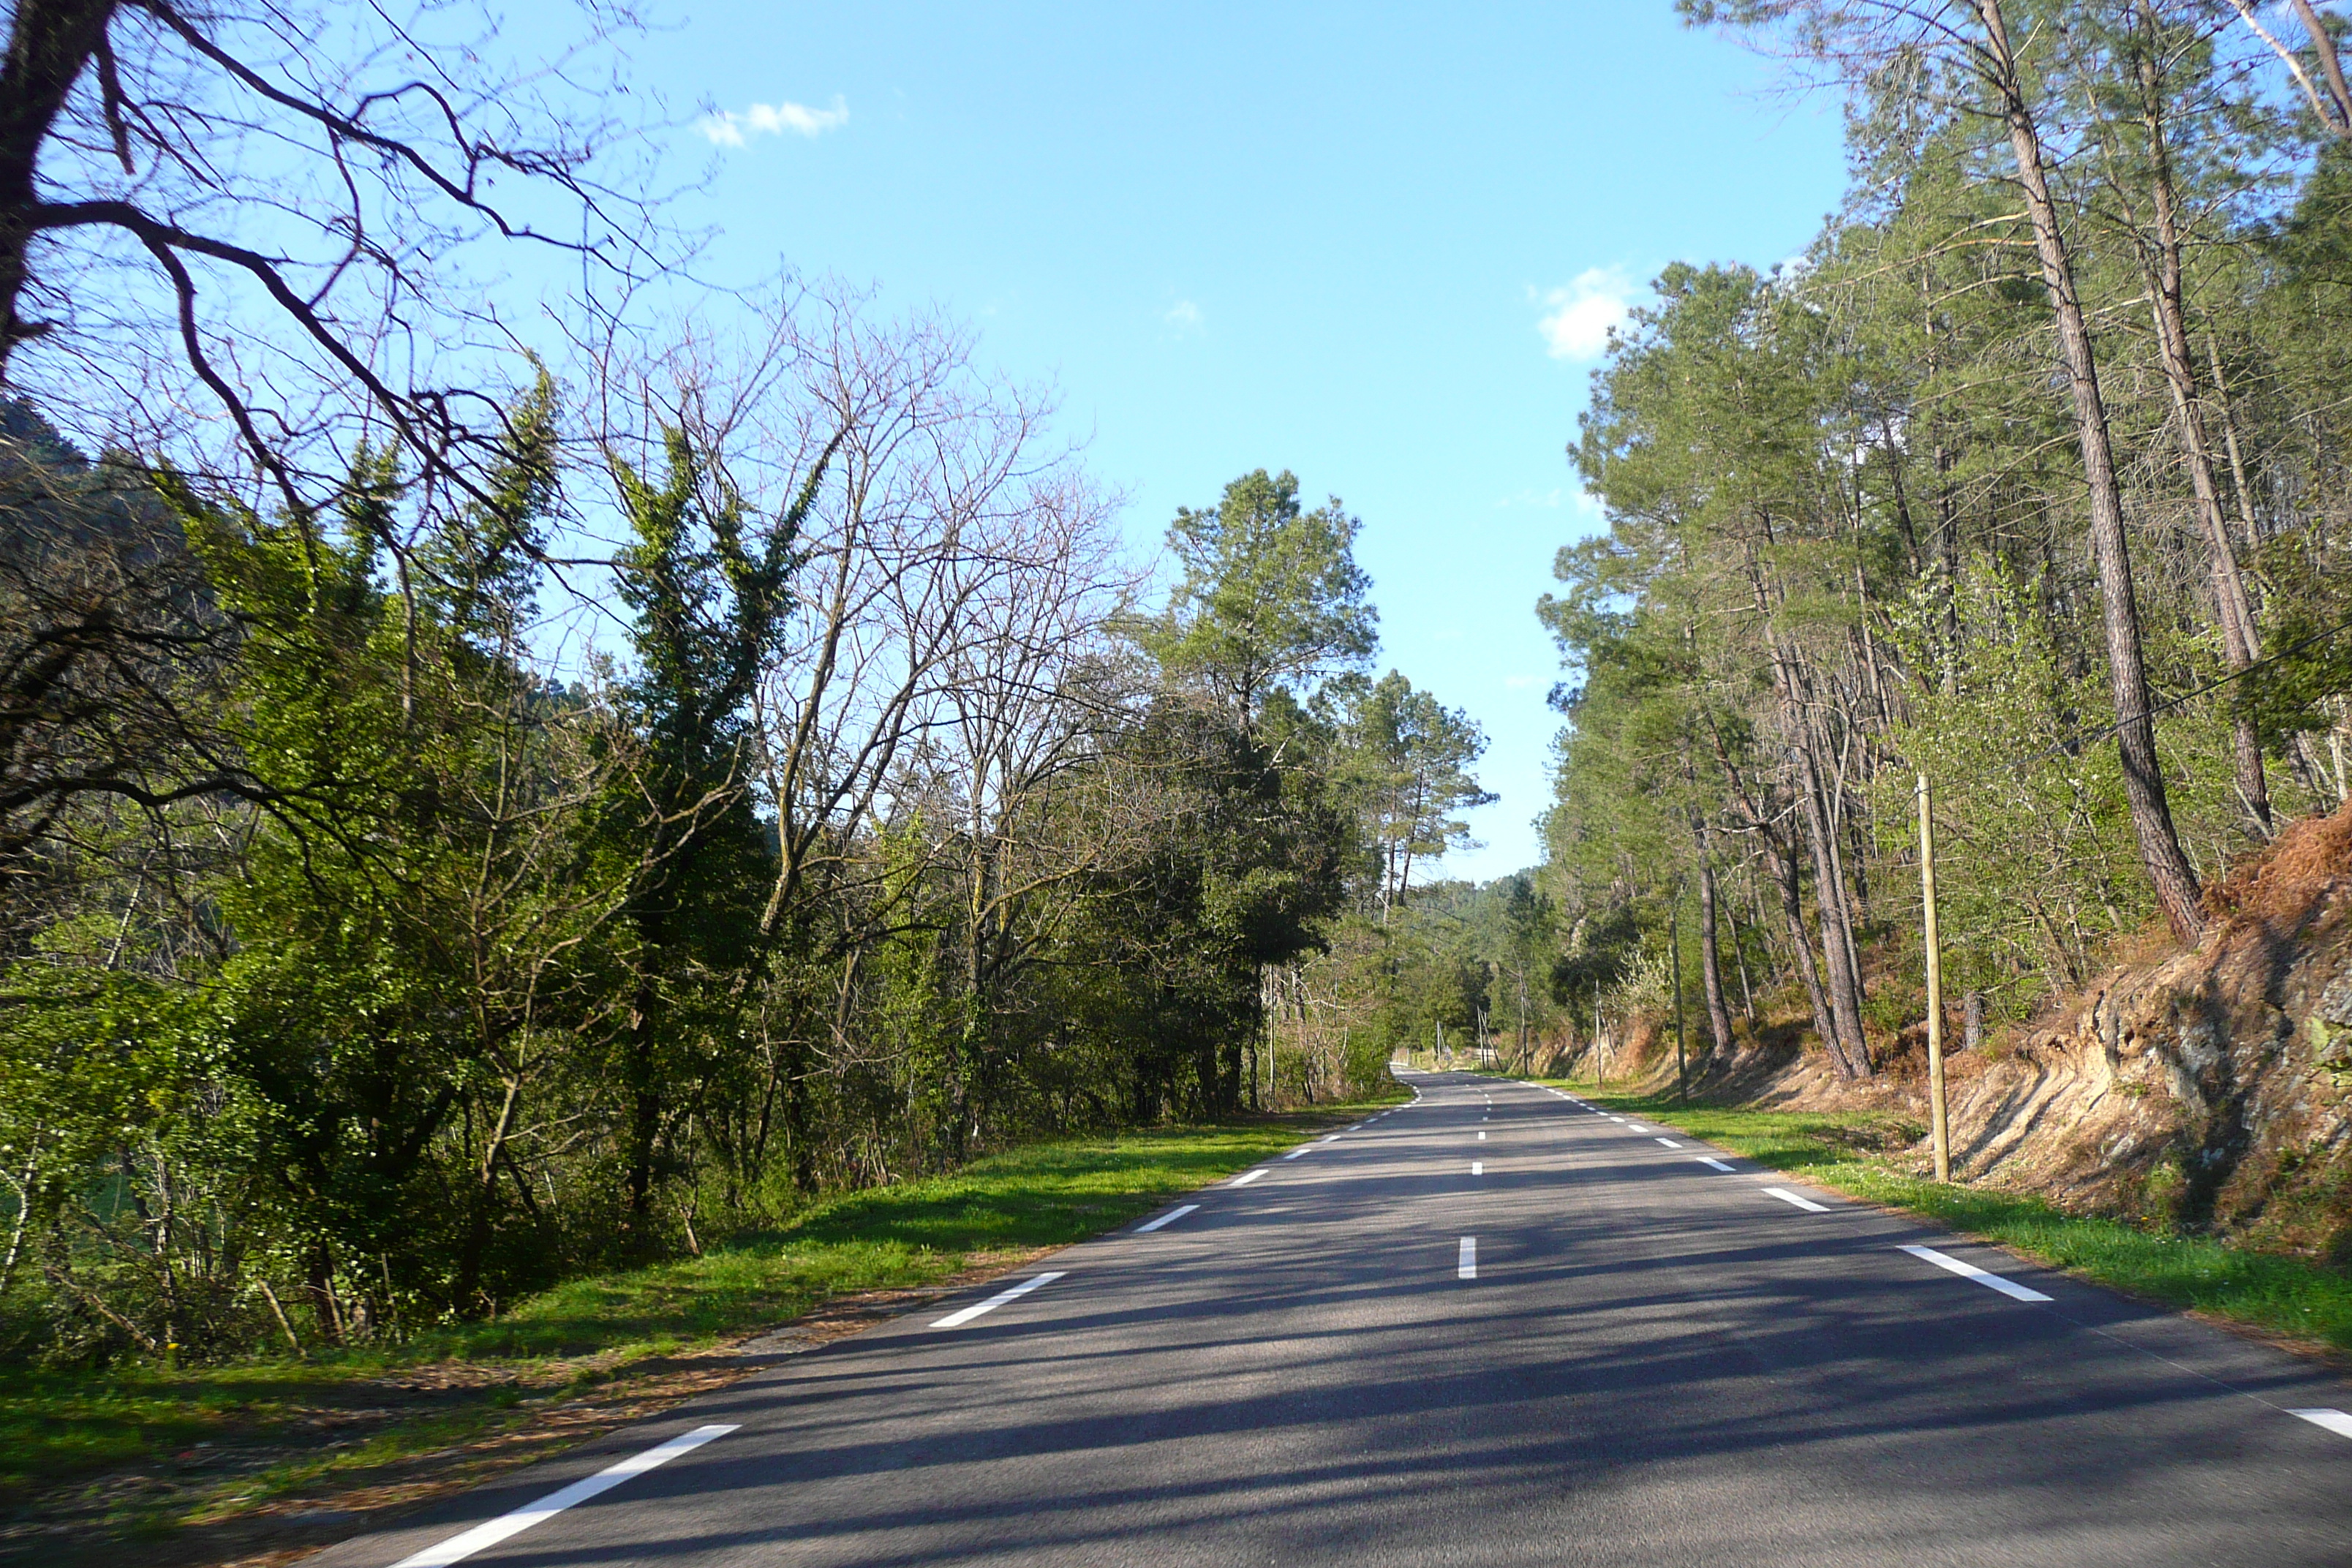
{"points": [[2335, 1421], [1971, 1271], [1246, 1177], [958, 1320], [491, 1532], [1806, 1204], [1171, 1217], [1717, 1163]]}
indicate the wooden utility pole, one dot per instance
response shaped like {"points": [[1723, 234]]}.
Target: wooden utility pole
{"points": [[1675, 957], [1941, 1131]]}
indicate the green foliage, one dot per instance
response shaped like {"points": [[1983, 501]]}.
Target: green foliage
{"points": [[1271, 597], [1404, 763], [1848, 543]]}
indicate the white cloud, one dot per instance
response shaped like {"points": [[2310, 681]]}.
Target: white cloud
{"points": [[728, 128], [1575, 321], [1184, 316]]}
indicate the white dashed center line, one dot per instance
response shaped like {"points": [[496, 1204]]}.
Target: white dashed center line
{"points": [[958, 1320], [2335, 1421], [1635, 1126], [1670, 1142], [1482, 1136], [1971, 1271], [1786, 1196], [458, 1548], [1467, 1267], [1296, 1153], [1476, 1169], [1171, 1217], [1246, 1177], [1717, 1163]]}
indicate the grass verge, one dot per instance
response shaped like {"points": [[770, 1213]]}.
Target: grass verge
{"points": [[2288, 1297], [145, 1451]]}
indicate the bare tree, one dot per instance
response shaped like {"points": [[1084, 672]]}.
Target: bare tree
{"points": [[264, 215]]}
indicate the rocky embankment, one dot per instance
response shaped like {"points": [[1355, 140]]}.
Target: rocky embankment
{"points": [[2209, 1088]]}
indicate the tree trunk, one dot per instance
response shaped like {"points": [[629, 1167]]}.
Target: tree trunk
{"points": [[1846, 1044], [50, 44], [1710, 956], [1792, 910], [2169, 870], [2241, 645], [482, 1200], [645, 1114]]}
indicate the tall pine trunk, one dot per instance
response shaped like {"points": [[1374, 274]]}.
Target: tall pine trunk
{"points": [[2169, 870], [1710, 950], [2241, 644]]}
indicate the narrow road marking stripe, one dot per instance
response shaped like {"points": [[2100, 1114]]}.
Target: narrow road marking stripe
{"points": [[1334, 1138], [1635, 1126], [2335, 1421], [1293, 1155], [1717, 1163], [1482, 1135], [1467, 1267], [1171, 1217], [1246, 1177], [489, 1534], [1476, 1169], [1971, 1271], [958, 1320], [1617, 1118], [1806, 1204], [1670, 1142]]}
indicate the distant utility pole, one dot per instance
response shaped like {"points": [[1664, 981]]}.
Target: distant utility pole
{"points": [[1523, 1016], [1675, 946], [1941, 1130]]}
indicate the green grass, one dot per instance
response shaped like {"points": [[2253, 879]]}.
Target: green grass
{"points": [[56, 1426], [2279, 1295]]}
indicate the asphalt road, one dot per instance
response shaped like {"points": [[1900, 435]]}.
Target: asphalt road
{"points": [[1562, 1342]]}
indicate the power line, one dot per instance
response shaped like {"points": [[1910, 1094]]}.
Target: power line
{"points": [[2074, 744]]}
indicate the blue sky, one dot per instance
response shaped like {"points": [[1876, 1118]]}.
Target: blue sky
{"points": [[1377, 246]]}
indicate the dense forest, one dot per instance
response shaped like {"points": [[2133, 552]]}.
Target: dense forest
{"points": [[2025, 485], [460, 833]]}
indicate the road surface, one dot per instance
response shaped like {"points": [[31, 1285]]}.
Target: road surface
{"points": [[1495, 1326]]}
